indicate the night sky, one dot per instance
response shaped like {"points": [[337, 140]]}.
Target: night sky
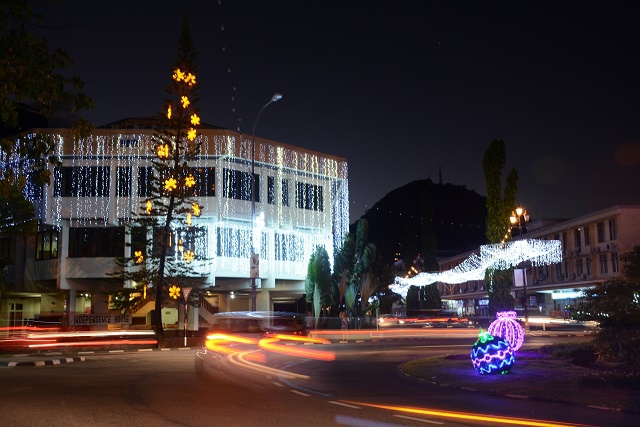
{"points": [[400, 89]]}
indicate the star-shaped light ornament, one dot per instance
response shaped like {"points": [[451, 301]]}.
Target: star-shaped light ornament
{"points": [[191, 134], [195, 120], [190, 181], [189, 219], [169, 112], [188, 256], [185, 102], [170, 184], [139, 257], [190, 79], [149, 206], [163, 150], [174, 292], [196, 209], [178, 75]]}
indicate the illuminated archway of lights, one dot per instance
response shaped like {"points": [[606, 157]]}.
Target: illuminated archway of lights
{"points": [[500, 256]]}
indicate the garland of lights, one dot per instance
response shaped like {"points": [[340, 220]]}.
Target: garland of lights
{"points": [[501, 256]]}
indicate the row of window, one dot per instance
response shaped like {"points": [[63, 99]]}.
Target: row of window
{"points": [[581, 235], [94, 181], [582, 267], [91, 242]]}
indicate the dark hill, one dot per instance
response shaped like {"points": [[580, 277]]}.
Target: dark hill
{"points": [[434, 220]]}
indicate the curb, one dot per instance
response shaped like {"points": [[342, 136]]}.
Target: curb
{"points": [[43, 362], [57, 359], [513, 396]]}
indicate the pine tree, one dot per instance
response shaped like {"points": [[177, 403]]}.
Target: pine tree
{"points": [[498, 223], [163, 240]]}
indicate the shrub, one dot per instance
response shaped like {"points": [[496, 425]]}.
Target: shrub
{"points": [[579, 353]]}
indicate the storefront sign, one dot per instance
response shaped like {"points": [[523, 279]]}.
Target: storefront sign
{"points": [[99, 319]]}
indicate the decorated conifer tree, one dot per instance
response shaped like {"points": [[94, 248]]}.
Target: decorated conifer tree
{"points": [[162, 238]]}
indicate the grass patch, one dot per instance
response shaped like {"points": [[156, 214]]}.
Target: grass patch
{"points": [[537, 374]]}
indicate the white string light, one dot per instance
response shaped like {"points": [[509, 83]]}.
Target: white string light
{"points": [[501, 256], [228, 219]]}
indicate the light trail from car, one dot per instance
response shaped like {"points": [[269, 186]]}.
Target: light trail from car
{"points": [[270, 344], [469, 416]]}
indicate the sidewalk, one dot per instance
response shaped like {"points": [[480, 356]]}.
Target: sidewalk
{"points": [[24, 357]]}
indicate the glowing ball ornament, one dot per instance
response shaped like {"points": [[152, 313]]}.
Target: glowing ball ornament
{"points": [[507, 326], [492, 355]]}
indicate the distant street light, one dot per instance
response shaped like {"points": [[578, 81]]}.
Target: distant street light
{"points": [[255, 259], [519, 218]]}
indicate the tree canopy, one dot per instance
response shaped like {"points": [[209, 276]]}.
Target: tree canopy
{"points": [[33, 84], [498, 224], [615, 305]]}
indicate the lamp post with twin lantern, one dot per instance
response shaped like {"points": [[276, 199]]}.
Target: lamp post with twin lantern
{"points": [[519, 218]]}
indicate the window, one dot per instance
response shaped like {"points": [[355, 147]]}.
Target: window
{"points": [[587, 237], [205, 181], [7, 250], [614, 262], [588, 264], [237, 185], [613, 235], [123, 181], [138, 240], [604, 267], [192, 239], [128, 142], [145, 176], [233, 243], [271, 191], [600, 229], [577, 243], [288, 247], [96, 242], [309, 196], [81, 181], [285, 192], [47, 244], [579, 268]]}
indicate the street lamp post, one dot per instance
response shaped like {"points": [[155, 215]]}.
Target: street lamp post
{"points": [[519, 218], [254, 263]]}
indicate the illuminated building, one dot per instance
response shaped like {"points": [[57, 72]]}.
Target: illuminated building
{"points": [[302, 200]]}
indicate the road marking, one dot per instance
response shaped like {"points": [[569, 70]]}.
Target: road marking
{"points": [[418, 419], [517, 396], [300, 393], [346, 405], [359, 422]]}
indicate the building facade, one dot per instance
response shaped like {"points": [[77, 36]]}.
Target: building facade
{"points": [[591, 247], [101, 183]]}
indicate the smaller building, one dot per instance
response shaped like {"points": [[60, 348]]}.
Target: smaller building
{"points": [[591, 247]]}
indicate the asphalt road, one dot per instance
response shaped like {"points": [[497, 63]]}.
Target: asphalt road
{"points": [[162, 388]]}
